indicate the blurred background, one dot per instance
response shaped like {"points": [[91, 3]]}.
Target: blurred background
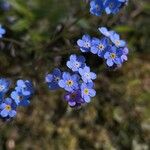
{"points": [[41, 34]]}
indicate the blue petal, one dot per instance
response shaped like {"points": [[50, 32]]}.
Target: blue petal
{"points": [[109, 62], [61, 83], [4, 113], [87, 98], [20, 83], [94, 49], [80, 43], [107, 55], [12, 113], [49, 78], [92, 92], [93, 75], [2, 106]]}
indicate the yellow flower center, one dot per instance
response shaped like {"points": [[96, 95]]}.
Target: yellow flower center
{"points": [[8, 107], [69, 82], [113, 55], [86, 91]]}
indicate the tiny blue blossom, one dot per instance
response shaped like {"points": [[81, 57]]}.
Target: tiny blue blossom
{"points": [[53, 79], [99, 46], [69, 82], [76, 62], [2, 31], [85, 43], [86, 75], [96, 7], [105, 31], [25, 87], [87, 92], [112, 6], [7, 108], [20, 99], [74, 98], [123, 52], [115, 38], [112, 57], [4, 85]]}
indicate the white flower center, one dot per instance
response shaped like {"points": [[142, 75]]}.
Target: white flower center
{"points": [[101, 47], [87, 44], [77, 64]]}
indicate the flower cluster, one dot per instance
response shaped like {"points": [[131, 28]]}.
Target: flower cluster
{"points": [[110, 47], [20, 96], [78, 84], [97, 7], [2, 31]]}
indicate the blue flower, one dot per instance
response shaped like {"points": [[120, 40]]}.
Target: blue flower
{"points": [[123, 52], [99, 46], [20, 99], [2, 31], [53, 79], [112, 57], [7, 108], [86, 75], [76, 62], [96, 7], [85, 43], [105, 31], [69, 82], [4, 86], [25, 87], [112, 6], [74, 98], [115, 38], [87, 92]]}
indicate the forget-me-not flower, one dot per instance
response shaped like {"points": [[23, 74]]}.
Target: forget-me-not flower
{"points": [[76, 62], [112, 57], [96, 7], [112, 6], [86, 74], [85, 43], [69, 82], [105, 31], [99, 46], [25, 87], [87, 92], [4, 85], [7, 108], [74, 98], [115, 38], [53, 79], [20, 99]]}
